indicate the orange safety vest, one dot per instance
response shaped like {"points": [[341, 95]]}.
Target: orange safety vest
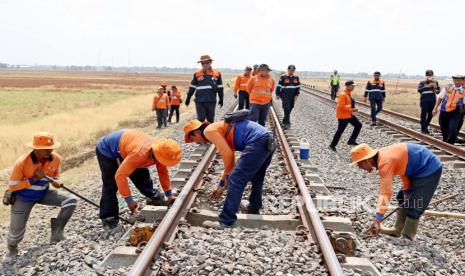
{"points": [[160, 102], [241, 83], [175, 97], [260, 89], [451, 98]]}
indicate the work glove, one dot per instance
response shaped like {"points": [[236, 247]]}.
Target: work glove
{"points": [[170, 200], [222, 186], [132, 206], [220, 103], [188, 102], [235, 96]]}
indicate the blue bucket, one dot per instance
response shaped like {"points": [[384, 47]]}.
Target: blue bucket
{"points": [[304, 149]]}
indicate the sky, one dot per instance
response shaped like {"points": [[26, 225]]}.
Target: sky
{"points": [[351, 36]]}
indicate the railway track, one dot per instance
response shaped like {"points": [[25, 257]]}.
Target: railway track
{"points": [[445, 151], [286, 242]]}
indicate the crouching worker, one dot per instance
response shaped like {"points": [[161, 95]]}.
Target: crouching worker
{"points": [[28, 186], [420, 171], [257, 146], [129, 153]]}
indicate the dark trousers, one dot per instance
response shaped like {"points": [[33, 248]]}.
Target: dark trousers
{"points": [[251, 166], [243, 100], [420, 194], [449, 122], [341, 126], [259, 113], [205, 111], [460, 123], [174, 108], [288, 105], [161, 117], [109, 202], [334, 89], [376, 107], [426, 113]]}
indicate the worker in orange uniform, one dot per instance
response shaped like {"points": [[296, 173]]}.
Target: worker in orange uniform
{"points": [[240, 88], [255, 70], [420, 172], [164, 85], [260, 90], [462, 118], [206, 84], [345, 115], [160, 105], [29, 185], [257, 146], [129, 153], [175, 102], [450, 100]]}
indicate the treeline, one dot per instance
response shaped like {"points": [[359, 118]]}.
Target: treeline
{"points": [[164, 69]]}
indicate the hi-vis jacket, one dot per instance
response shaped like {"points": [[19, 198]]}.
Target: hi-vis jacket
{"points": [[242, 133], [345, 104], [452, 97], [260, 89], [206, 85], [176, 97], [288, 87], [160, 101], [241, 83], [132, 148], [375, 90], [334, 81], [405, 160], [22, 177]]}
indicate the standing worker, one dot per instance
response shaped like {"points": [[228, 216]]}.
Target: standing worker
{"points": [[288, 90], [255, 70], [428, 90], [260, 90], [160, 105], [129, 153], [375, 92], [28, 186], [175, 102], [240, 88], [344, 113], [334, 83], [257, 146], [206, 83], [452, 108], [419, 170], [164, 85]]}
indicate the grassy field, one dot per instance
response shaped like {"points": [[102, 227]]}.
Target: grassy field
{"points": [[404, 99]]}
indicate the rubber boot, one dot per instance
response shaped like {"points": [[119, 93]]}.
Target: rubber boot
{"points": [[10, 254], [398, 226], [58, 227], [410, 228]]}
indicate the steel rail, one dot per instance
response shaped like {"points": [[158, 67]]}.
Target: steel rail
{"points": [[315, 224], [461, 134], [446, 147], [171, 219]]}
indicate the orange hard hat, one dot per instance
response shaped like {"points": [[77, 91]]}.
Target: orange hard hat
{"points": [[362, 152], [167, 152], [43, 140], [190, 126]]}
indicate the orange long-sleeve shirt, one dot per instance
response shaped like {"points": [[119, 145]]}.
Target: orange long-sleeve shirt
{"points": [[135, 148], [160, 101], [344, 105], [215, 133], [241, 83], [260, 89], [392, 161]]}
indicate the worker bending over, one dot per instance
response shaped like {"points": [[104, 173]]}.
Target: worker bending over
{"points": [[260, 89], [334, 84], [160, 104], [345, 115], [29, 185], [288, 90], [206, 83], [419, 170], [175, 102], [375, 92], [452, 109], [129, 153], [428, 90], [257, 146], [240, 88]]}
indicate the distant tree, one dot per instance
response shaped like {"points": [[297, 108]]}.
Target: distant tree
{"points": [[4, 65]]}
